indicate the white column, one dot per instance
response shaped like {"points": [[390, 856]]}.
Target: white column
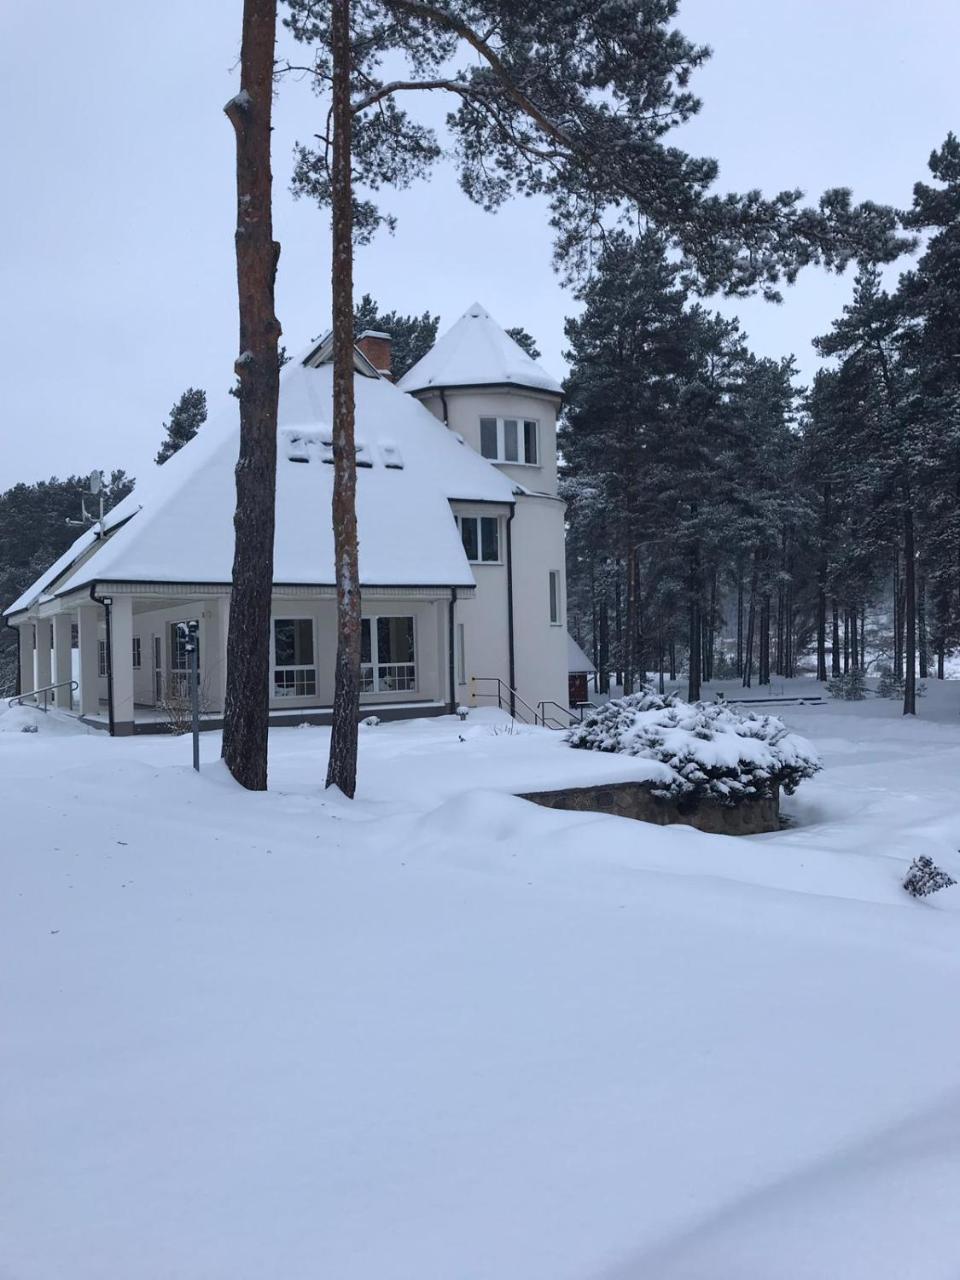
{"points": [[62, 665], [121, 659], [27, 679], [212, 662], [44, 669], [88, 630]]}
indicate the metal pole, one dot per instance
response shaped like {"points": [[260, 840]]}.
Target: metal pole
{"points": [[195, 695]]}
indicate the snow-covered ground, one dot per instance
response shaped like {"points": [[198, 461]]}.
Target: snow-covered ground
{"points": [[442, 1034]]}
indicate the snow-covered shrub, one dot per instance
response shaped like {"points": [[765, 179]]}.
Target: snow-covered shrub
{"points": [[890, 685], [463, 712], [712, 750], [925, 877], [849, 688], [370, 722]]}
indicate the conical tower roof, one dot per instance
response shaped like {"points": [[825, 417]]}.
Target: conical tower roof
{"points": [[476, 351]]}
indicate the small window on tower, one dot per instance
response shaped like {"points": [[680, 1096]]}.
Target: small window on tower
{"points": [[488, 437], [555, 597]]}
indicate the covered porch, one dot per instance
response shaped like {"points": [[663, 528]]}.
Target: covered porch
{"points": [[116, 654]]}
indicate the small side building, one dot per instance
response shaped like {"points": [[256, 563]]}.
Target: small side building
{"points": [[579, 671]]}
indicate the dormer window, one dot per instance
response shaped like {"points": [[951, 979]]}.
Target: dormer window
{"points": [[481, 538], [511, 440]]}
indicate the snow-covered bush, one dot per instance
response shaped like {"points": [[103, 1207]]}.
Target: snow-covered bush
{"points": [[463, 712], [849, 688], [925, 877], [889, 685], [370, 722], [713, 751]]}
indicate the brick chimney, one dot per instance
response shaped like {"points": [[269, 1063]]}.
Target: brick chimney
{"points": [[376, 347]]}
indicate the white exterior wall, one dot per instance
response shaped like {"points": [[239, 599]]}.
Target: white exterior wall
{"points": [[465, 409], [538, 540], [486, 650], [540, 647]]}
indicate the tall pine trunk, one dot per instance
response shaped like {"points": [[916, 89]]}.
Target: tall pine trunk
{"points": [[342, 766], [763, 675], [246, 715], [694, 664], [603, 658], [630, 650], [923, 641], [910, 613], [751, 627], [835, 639], [822, 572]]}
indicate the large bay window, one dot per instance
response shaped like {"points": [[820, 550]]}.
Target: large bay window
{"points": [[481, 538], [387, 655], [510, 440], [294, 665]]}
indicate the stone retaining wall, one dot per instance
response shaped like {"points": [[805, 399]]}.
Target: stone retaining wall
{"points": [[634, 800]]}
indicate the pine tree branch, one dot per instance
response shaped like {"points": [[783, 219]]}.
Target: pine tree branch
{"points": [[440, 18]]}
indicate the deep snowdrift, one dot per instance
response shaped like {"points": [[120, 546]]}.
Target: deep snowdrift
{"points": [[440, 1032]]}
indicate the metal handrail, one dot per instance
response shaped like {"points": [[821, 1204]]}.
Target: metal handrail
{"points": [[21, 698], [549, 702], [513, 699]]}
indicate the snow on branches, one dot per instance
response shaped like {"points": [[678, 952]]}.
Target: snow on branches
{"points": [[714, 752]]}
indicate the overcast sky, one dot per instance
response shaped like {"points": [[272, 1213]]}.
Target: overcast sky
{"points": [[116, 228]]}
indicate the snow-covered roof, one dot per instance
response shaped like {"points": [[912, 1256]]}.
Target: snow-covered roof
{"points": [[409, 468], [577, 660], [477, 352]]}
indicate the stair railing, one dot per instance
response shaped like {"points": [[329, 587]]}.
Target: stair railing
{"points": [[34, 694]]}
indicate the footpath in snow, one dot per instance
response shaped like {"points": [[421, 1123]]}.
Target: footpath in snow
{"points": [[440, 1032]]}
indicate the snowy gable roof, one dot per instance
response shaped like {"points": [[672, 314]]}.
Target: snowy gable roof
{"points": [[577, 660], [409, 468], [477, 352]]}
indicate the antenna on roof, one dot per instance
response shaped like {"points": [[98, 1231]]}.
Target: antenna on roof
{"points": [[94, 490]]}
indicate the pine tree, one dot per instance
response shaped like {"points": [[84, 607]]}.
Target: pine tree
{"points": [[33, 534], [186, 418], [877, 377], [246, 714], [526, 341]]}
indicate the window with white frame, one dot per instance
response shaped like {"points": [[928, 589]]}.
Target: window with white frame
{"points": [[511, 440], [136, 653], [388, 655], [294, 665], [461, 654], [554, 589], [102, 658], [481, 538]]}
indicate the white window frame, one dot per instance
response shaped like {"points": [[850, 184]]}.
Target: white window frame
{"points": [[477, 520], [461, 654], [370, 672], [301, 673], [521, 439], [555, 598], [102, 659], [137, 653]]}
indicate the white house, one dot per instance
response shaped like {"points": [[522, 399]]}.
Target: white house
{"points": [[461, 550]]}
